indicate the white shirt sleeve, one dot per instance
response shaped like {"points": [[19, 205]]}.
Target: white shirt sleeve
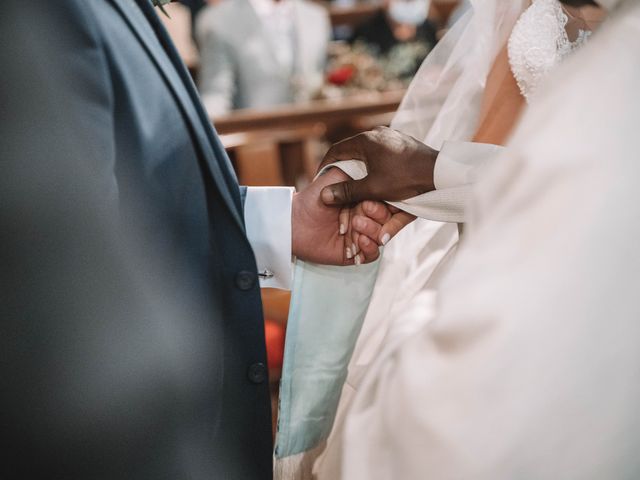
{"points": [[459, 163], [267, 212], [457, 168]]}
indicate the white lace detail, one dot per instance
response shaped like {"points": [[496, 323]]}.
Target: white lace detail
{"points": [[539, 41]]}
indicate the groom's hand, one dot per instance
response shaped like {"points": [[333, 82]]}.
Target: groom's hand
{"points": [[398, 166], [316, 233]]}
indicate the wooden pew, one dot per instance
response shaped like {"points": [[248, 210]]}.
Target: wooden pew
{"points": [[283, 145], [286, 156]]}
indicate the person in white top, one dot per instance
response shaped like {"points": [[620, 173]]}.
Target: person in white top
{"points": [[261, 53], [530, 367]]}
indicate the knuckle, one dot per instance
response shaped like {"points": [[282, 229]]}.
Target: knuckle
{"points": [[368, 137], [347, 191], [331, 152]]}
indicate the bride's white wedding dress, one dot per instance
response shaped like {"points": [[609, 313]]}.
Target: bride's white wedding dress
{"points": [[412, 264], [530, 368], [442, 107]]}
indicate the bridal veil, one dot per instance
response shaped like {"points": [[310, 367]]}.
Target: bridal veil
{"points": [[442, 104]]}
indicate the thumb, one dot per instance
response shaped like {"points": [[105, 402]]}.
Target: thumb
{"points": [[345, 193]]}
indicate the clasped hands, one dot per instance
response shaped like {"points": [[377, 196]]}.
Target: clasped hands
{"points": [[339, 221]]}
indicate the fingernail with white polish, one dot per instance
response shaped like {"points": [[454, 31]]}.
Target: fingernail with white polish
{"points": [[353, 248], [357, 260], [349, 254], [385, 238], [343, 229]]}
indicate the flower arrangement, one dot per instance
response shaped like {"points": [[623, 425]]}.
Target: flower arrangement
{"points": [[356, 68]]}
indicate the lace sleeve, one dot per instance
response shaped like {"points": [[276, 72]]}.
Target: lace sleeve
{"points": [[543, 35]]}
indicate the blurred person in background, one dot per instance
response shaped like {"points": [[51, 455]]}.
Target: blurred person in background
{"points": [[401, 34], [261, 53]]}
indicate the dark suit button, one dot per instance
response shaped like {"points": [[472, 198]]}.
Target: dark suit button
{"points": [[257, 373], [245, 280]]}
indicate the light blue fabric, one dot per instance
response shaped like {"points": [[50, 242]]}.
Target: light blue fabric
{"points": [[328, 307]]}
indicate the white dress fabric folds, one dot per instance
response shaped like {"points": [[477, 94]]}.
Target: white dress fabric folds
{"points": [[530, 368]]}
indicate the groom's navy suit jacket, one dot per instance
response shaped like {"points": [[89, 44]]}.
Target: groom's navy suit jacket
{"points": [[138, 111]]}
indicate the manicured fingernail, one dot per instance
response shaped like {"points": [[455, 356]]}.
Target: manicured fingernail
{"points": [[385, 238], [349, 254], [357, 260], [353, 248], [327, 195], [343, 229]]}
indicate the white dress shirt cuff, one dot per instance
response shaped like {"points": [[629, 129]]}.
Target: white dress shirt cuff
{"points": [[458, 163], [267, 213], [458, 167]]}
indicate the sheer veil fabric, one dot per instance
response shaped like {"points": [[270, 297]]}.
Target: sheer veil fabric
{"points": [[443, 103], [443, 100]]}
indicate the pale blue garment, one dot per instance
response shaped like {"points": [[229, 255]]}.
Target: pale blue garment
{"points": [[328, 307]]}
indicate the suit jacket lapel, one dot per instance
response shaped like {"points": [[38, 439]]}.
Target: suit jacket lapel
{"points": [[148, 29]]}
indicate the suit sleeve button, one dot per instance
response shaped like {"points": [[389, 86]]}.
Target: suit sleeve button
{"points": [[257, 373], [245, 280]]}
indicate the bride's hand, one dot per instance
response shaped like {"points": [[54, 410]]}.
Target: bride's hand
{"points": [[352, 240], [373, 224]]}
